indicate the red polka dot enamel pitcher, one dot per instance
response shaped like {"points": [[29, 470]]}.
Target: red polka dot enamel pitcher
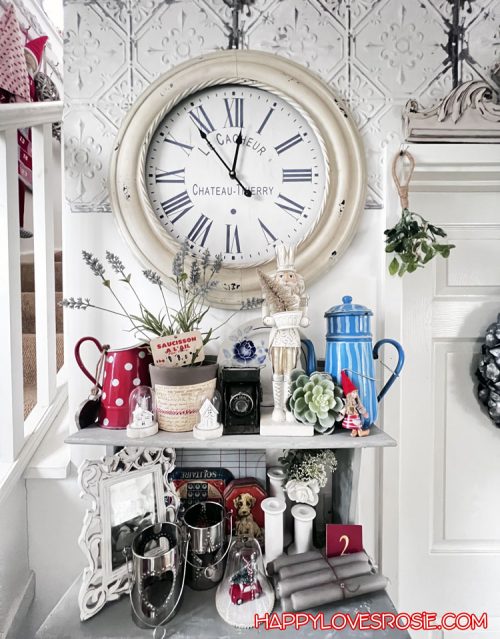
{"points": [[118, 372]]}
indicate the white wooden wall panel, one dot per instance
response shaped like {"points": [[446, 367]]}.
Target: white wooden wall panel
{"points": [[454, 206], [465, 273], [448, 519], [471, 254], [463, 511]]}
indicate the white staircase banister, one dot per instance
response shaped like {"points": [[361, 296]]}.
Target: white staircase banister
{"points": [[11, 370], [43, 228], [39, 117], [24, 114]]}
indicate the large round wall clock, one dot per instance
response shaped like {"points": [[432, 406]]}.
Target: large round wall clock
{"points": [[235, 152]]}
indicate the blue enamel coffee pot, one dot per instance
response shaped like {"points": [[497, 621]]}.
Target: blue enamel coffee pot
{"points": [[349, 348]]}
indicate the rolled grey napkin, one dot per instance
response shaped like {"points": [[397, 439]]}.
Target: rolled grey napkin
{"points": [[331, 592], [302, 568], [285, 587], [287, 560], [353, 569], [348, 559]]}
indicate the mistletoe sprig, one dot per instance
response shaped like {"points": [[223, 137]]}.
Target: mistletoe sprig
{"points": [[415, 241]]}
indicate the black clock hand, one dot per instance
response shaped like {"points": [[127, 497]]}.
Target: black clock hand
{"points": [[239, 141], [204, 137], [246, 192]]}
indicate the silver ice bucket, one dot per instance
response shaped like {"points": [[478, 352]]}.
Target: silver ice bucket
{"points": [[206, 524], [157, 570]]}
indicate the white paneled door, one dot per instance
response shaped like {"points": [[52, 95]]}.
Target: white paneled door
{"points": [[442, 519]]}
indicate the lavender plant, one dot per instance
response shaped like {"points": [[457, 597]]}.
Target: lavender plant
{"points": [[193, 277]]}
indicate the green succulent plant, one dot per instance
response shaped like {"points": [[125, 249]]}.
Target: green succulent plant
{"points": [[316, 400]]}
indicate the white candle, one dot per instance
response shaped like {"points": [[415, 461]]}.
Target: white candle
{"points": [[273, 527], [276, 483], [303, 515]]}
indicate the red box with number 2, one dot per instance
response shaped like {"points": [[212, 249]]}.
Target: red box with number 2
{"points": [[343, 539]]}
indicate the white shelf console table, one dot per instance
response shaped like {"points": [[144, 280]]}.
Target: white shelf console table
{"points": [[196, 619], [347, 450], [197, 616]]}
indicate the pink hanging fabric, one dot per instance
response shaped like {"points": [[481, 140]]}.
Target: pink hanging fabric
{"points": [[13, 68]]}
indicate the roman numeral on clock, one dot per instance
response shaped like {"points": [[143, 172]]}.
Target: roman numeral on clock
{"points": [[232, 239], [200, 230], [170, 177], [290, 206], [297, 175], [270, 238], [264, 121], [177, 206], [288, 144], [201, 119], [187, 148], [234, 109]]}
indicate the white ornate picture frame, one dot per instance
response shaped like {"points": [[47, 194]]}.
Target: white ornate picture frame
{"points": [[100, 479]]}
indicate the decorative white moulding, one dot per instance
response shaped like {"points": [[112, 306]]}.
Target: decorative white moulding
{"points": [[470, 113]]}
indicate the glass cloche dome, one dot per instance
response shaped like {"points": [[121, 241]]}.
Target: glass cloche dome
{"points": [[142, 413], [244, 591]]}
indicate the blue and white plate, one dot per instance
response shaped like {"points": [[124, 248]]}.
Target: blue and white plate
{"points": [[248, 346]]}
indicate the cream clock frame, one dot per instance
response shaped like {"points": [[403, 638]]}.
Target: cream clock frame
{"points": [[334, 127]]}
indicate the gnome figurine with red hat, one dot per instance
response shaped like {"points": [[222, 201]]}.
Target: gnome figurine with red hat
{"points": [[354, 409]]}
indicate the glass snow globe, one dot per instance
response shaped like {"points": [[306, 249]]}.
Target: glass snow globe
{"points": [[244, 591], [142, 413]]}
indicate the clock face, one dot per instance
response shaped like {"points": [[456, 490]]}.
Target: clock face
{"points": [[239, 206]]}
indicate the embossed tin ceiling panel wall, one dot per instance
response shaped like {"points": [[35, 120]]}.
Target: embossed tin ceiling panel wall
{"points": [[375, 53]]}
